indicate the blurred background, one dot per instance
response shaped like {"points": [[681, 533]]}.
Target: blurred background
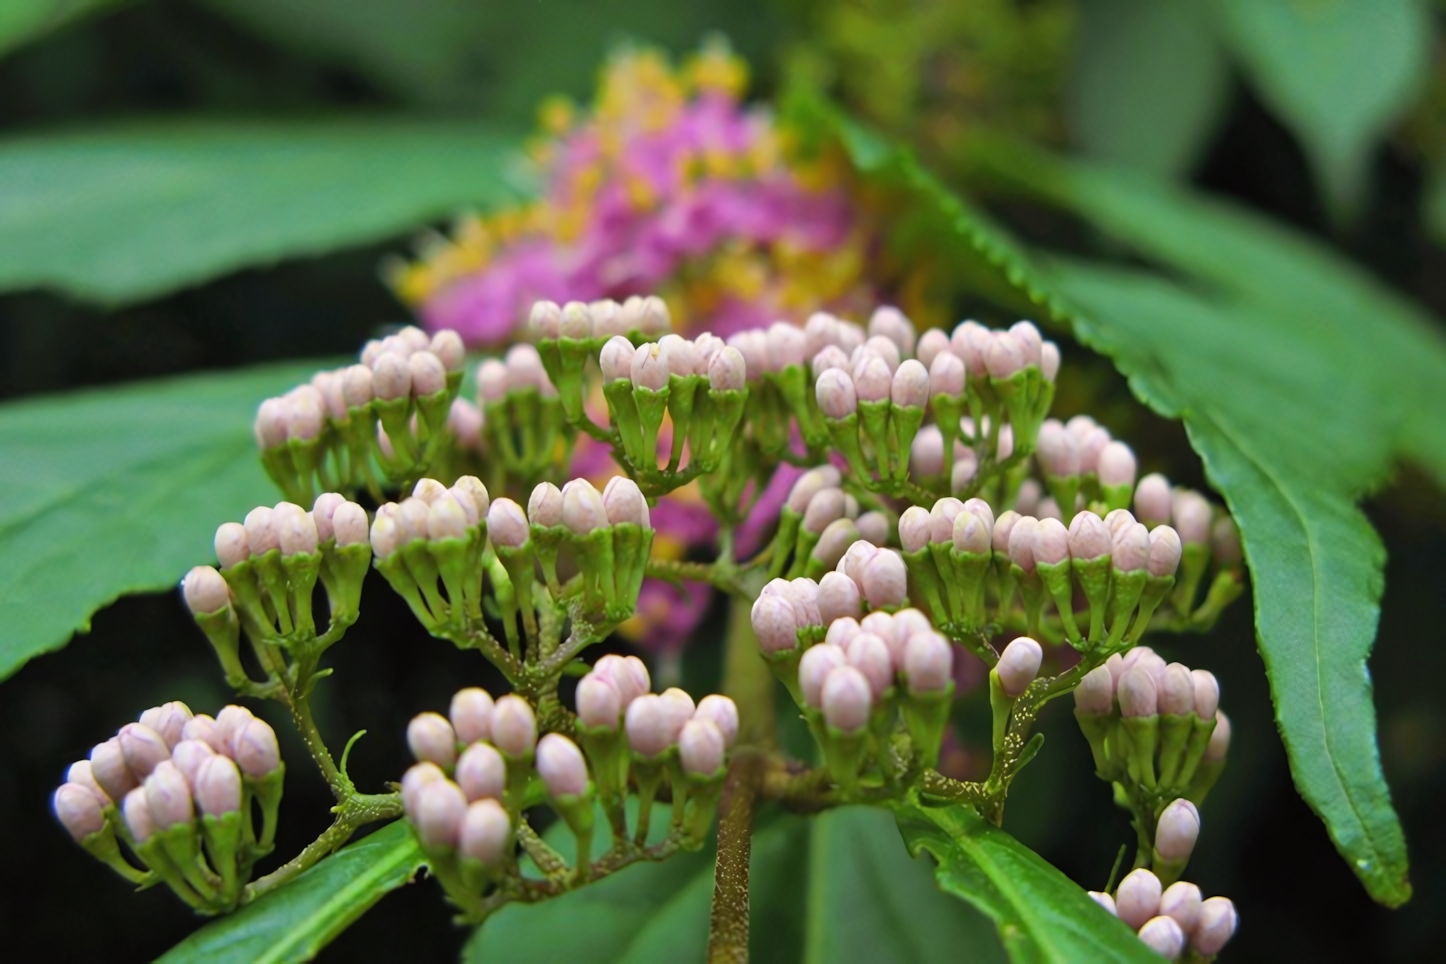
{"points": [[1214, 94]]}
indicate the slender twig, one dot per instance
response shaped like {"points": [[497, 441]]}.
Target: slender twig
{"points": [[728, 922], [358, 810]]}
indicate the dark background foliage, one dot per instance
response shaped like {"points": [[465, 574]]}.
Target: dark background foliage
{"points": [[1262, 846]]}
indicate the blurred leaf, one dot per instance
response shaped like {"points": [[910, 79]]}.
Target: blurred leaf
{"points": [[1300, 381], [131, 212], [294, 922], [120, 490], [22, 21], [1041, 914], [863, 899], [1337, 72], [1149, 82]]}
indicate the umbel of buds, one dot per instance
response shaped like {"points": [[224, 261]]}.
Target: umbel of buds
{"points": [[1171, 920], [178, 790], [377, 422], [521, 416]]}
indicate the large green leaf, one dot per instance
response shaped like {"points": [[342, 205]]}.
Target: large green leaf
{"points": [[837, 888], [294, 922], [21, 21], [1149, 82], [130, 212], [1338, 72], [120, 490], [1041, 914]]}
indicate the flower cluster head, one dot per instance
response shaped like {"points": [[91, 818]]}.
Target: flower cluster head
{"points": [[669, 182], [467, 795], [177, 788], [1171, 920]]}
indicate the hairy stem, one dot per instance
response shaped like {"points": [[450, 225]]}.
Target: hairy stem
{"points": [[355, 812], [728, 922]]}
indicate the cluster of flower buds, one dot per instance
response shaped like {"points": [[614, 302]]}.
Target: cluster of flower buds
{"points": [[1207, 535], [569, 335], [178, 789], [960, 475], [388, 413], [269, 568], [818, 523], [467, 795], [960, 556], [1156, 732], [521, 419], [1171, 920], [430, 548]]}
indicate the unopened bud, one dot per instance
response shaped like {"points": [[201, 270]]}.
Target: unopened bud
{"points": [[255, 749], [649, 725], [1004, 530], [964, 470], [1152, 499], [218, 786], [1130, 549], [701, 746], [947, 374], [138, 817], [655, 319], [1116, 466], [836, 538], [447, 346], [910, 385], [840, 631], [1177, 830], [830, 356], [514, 726], [836, 395], [78, 810], [386, 536], [1057, 450], [855, 559], [775, 622], [786, 345], [349, 525], [1138, 694], [1049, 360], [891, 323], [81, 773], [481, 772], [205, 591], [576, 321], [1051, 542], [1216, 925], [232, 546], [544, 506], [143, 748], [874, 377], [885, 579], [1207, 693], [727, 371], [623, 502], [803, 593], [1165, 551], [1004, 356], [358, 385], [260, 531], [417, 776], [872, 526], [598, 702], [271, 419], [1088, 536], [447, 519], [440, 808], [428, 374], [492, 379], [823, 509], [616, 359], [1137, 899], [1021, 543], [321, 512], [561, 766], [1181, 901], [1177, 690], [506, 524], [1096, 691], [928, 662], [838, 597], [1019, 665], [545, 319], [847, 699], [970, 341], [295, 530], [722, 712], [486, 831], [869, 654], [391, 376], [972, 534], [582, 507], [818, 661], [931, 344], [1191, 514], [914, 528], [1030, 341], [169, 796], [432, 739], [1105, 901], [926, 452], [650, 367], [1163, 936], [307, 413], [188, 755], [627, 673], [810, 484]]}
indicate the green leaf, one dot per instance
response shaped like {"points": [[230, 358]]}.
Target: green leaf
{"points": [[837, 888], [22, 21], [294, 922], [1337, 72], [1041, 914], [130, 212], [120, 490], [1149, 83]]}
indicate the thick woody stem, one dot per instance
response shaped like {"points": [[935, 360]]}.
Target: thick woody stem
{"points": [[728, 923]]}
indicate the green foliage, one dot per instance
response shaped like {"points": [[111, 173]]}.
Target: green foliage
{"points": [[21, 21], [120, 490], [294, 922], [837, 887], [1150, 83], [1338, 73], [1041, 914], [127, 213]]}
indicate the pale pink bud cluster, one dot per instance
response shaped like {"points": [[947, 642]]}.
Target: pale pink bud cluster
{"points": [[1141, 683], [650, 365], [999, 354], [446, 817], [600, 319], [1194, 520], [605, 693], [432, 512], [286, 527], [656, 723], [1168, 920], [520, 370], [880, 650]]}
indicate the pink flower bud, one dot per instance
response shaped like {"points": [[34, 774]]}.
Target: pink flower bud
{"points": [[137, 811], [928, 662], [544, 320], [1165, 551], [561, 766], [831, 356], [623, 502], [722, 713], [432, 739], [205, 591], [803, 593], [481, 772], [1051, 542], [544, 507], [1049, 360], [429, 490], [386, 535], [627, 673], [80, 772], [819, 331], [655, 318], [525, 371], [1176, 690], [229, 722], [1088, 536], [1138, 693], [818, 661], [506, 524], [608, 318], [835, 540], [775, 622], [823, 509], [1057, 450], [514, 726], [582, 507], [680, 708], [649, 725], [971, 534], [910, 385], [1105, 901], [838, 597], [1091, 445], [598, 702], [1207, 693], [1096, 691], [1031, 343], [411, 516], [870, 655], [271, 418], [1005, 355], [1004, 530], [835, 393], [486, 832], [1163, 936], [440, 808], [880, 347], [188, 756], [931, 344], [1130, 550], [358, 385], [391, 376], [881, 624], [1152, 499], [143, 749], [753, 346], [701, 747], [78, 810], [1021, 543], [575, 322], [1215, 750], [306, 413], [1019, 665], [1119, 519], [428, 374], [232, 546], [872, 527], [651, 367], [1216, 925], [970, 341], [321, 512], [349, 524], [1181, 901], [840, 631], [873, 380], [786, 345], [709, 345], [926, 452], [810, 484], [1177, 830], [446, 519], [492, 379], [295, 529], [616, 359], [1191, 513], [946, 375], [885, 579], [1116, 466], [169, 720], [168, 796], [1225, 542], [1137, 898], [261, 531], [471, 487], [727, 371], [218, 786], [891, 323], [847, 699], [447, 346], [914, 527], [855, 559], [416, 777], [256, 751], [204, 729]]}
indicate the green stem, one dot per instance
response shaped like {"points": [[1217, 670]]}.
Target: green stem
{"points": [[728, 921], [356, 811]]}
